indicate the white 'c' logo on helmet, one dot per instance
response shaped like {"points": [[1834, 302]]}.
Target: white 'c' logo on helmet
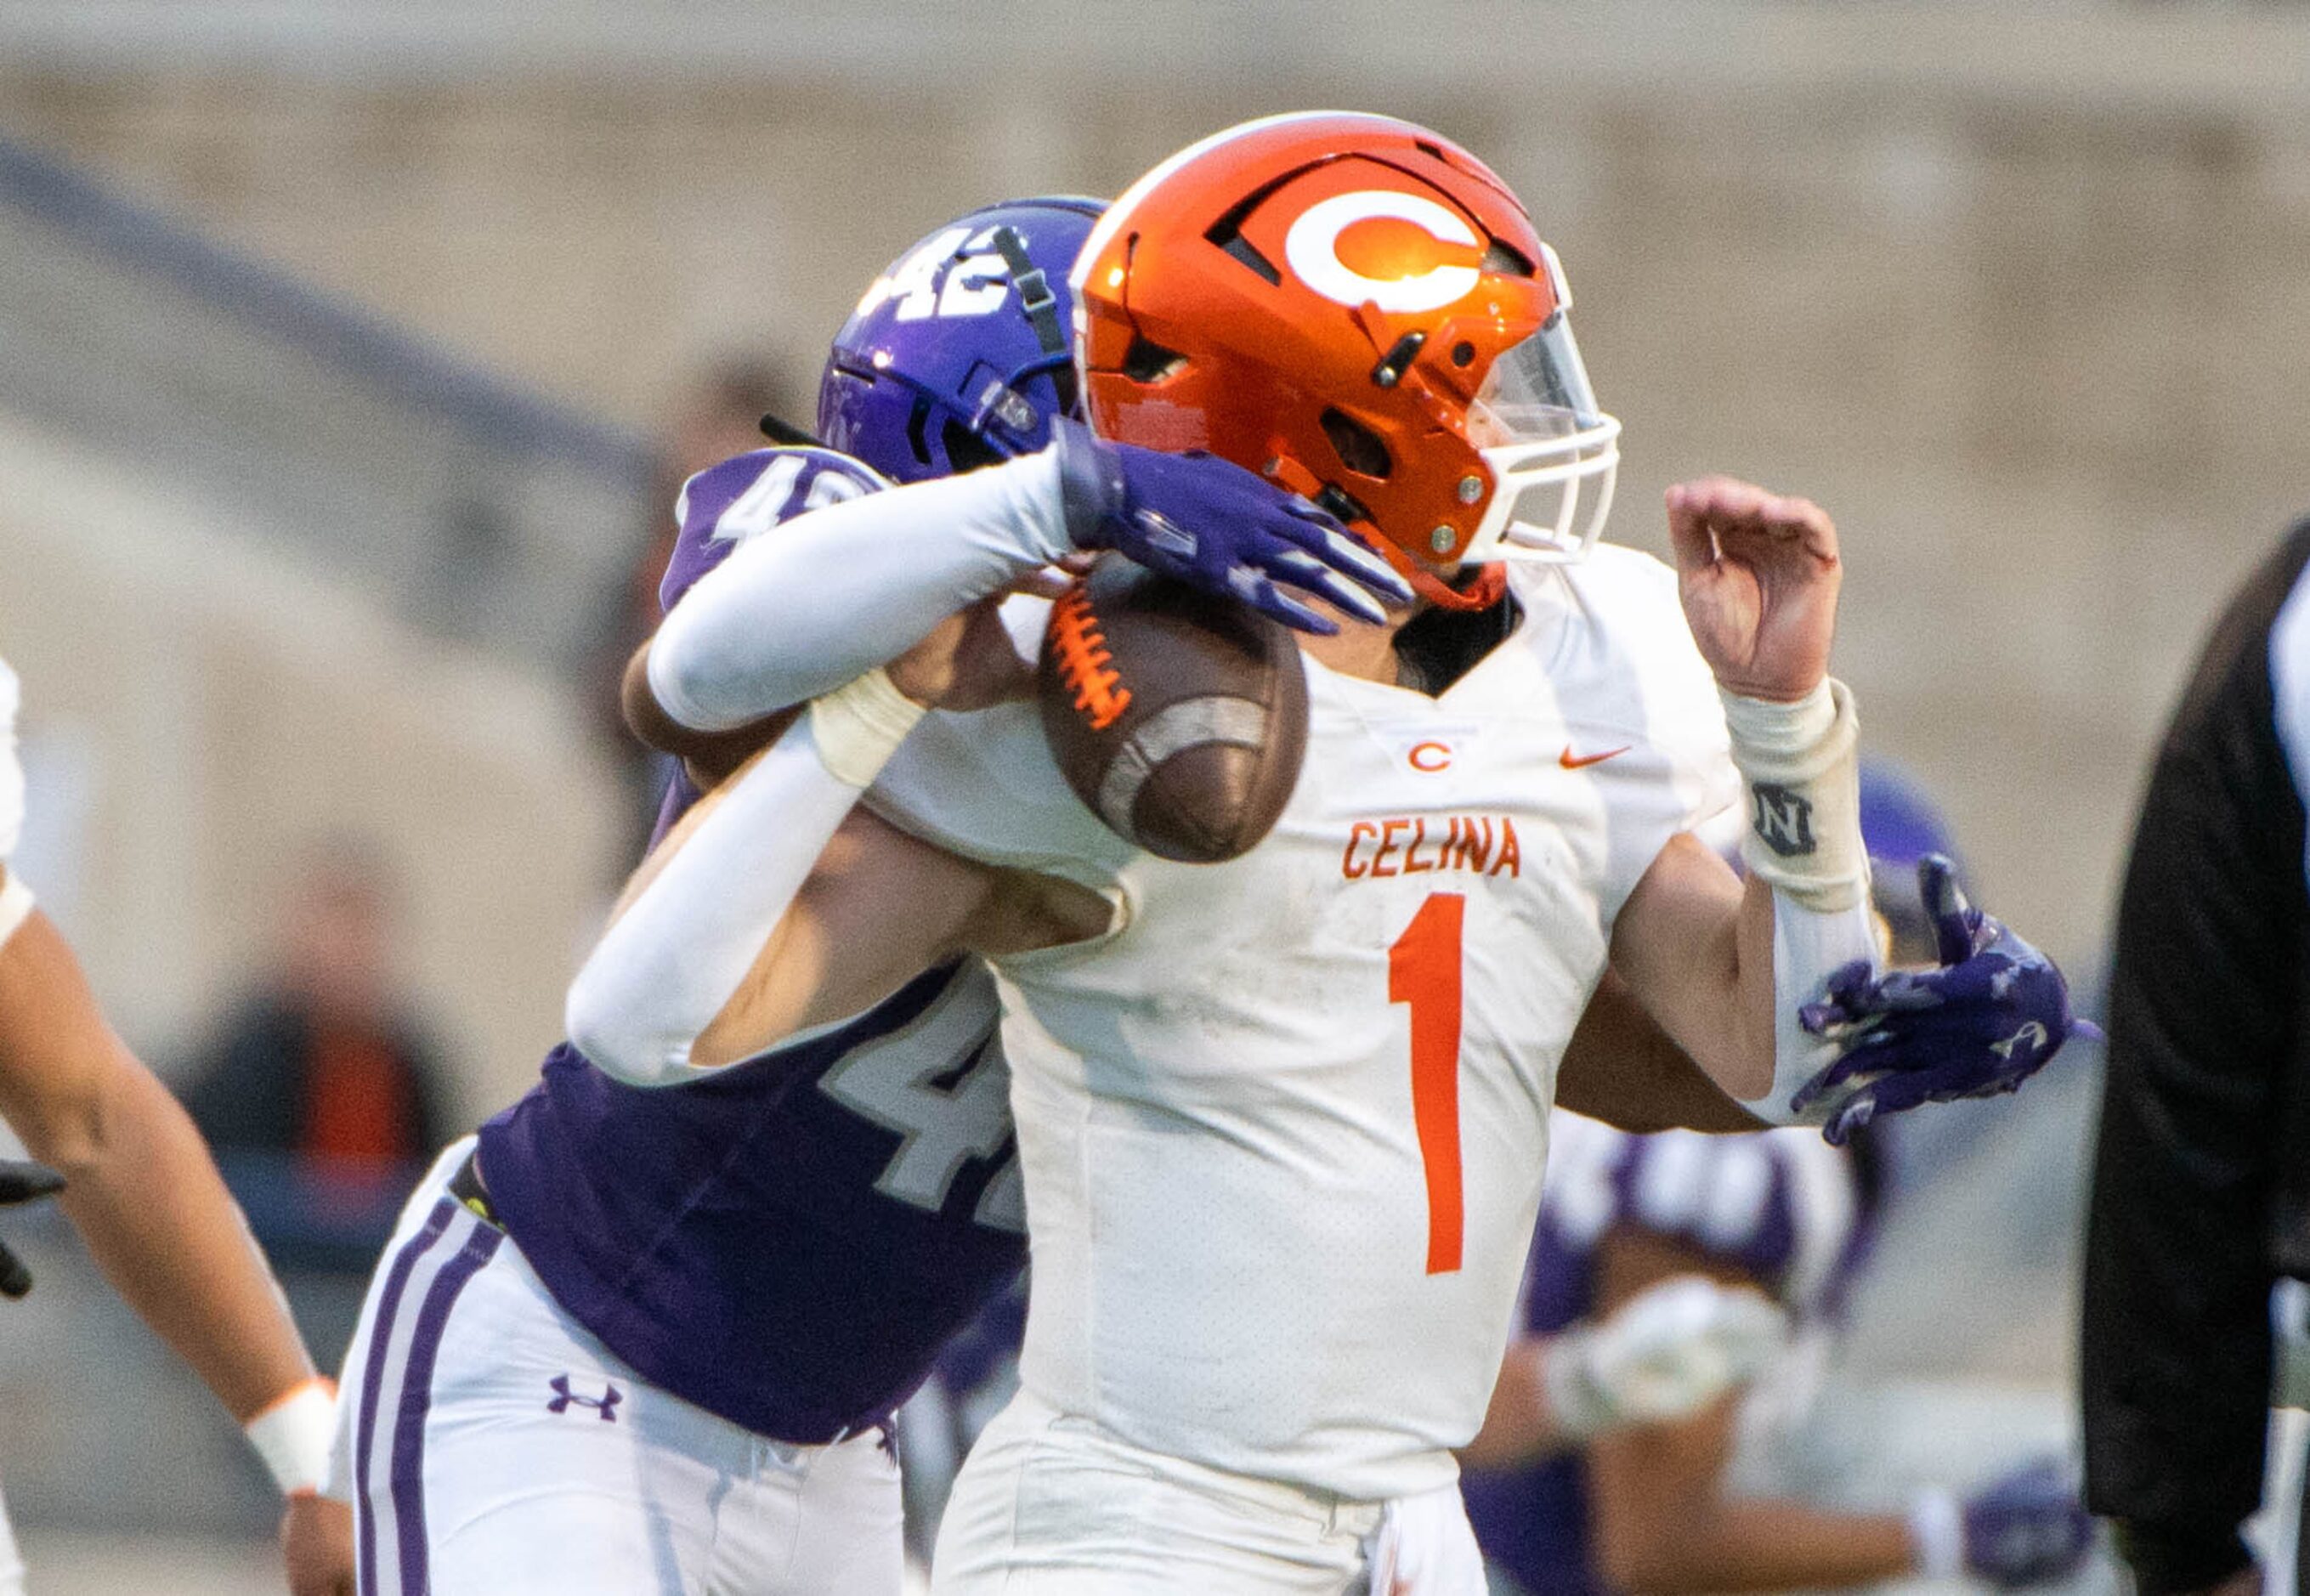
{"points": [[1312, 248]]}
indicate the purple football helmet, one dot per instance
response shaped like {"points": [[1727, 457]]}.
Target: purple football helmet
{"points": [[959, 355]]}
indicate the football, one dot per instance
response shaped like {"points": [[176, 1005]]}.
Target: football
{"points": [[1181, 719]]}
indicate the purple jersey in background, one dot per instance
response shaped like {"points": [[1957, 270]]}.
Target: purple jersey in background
{"points": [[1782, 1207], [788, 1242]]}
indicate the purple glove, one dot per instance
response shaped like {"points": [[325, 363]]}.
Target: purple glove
{"points": [[21, 1181], [2026, 1527], [1214, 526], [1989, 1017]]}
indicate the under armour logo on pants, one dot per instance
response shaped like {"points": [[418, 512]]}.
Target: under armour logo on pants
{"points": [[607, 1404]]}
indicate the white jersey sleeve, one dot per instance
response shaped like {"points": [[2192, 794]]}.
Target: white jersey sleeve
{"points": [[1633, 688]]}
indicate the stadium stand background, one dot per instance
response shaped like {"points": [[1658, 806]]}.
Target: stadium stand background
{"points": [[331, 337]]}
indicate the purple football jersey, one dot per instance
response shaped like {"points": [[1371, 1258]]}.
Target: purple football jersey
{"points": [[1782, 1207], [786, 1243], [744, 497]]}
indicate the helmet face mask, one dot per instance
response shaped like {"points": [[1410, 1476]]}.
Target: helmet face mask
{"points": [[1553, 455], [951, 361], [1360, 310]]}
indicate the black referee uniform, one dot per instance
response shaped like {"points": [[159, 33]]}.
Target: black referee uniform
{"points": [[2201, 1177]]}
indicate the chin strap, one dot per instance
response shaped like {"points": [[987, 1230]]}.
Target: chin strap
{"points": [[1486, 587], [1490, 586], [1041, 306]]}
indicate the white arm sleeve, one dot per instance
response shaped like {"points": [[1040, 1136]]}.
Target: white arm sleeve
{"points": [[1808, 945], [850, 586], [676, 956]]}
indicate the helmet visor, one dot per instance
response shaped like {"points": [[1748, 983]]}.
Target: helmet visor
{"points": [[1538, 388], [1553, 454]]}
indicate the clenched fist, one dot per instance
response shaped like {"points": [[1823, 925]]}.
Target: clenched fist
{"points": [[1758, 574]]}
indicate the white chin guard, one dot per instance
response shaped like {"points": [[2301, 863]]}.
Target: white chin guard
{"points": [[1552, 496], [1553, 455]]}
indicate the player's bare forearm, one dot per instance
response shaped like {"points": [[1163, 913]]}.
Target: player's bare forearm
{"points": [[1695, 945], [142, 1188], [1758, 574], [1623, 1069]]}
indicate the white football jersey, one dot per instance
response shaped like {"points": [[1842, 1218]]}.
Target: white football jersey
{"points": [[1283, 1127]]}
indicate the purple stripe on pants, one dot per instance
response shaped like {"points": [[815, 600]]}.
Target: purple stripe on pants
{"points": [[380, 1334], [417, 1400]]}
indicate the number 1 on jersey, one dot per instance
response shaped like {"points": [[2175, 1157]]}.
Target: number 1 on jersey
{"points": [[1423, 972]]}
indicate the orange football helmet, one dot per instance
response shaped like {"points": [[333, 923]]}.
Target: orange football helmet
{"points": [[1359, 309]]}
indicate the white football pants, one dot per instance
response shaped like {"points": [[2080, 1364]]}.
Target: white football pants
{"points": [[1049, 1505], [489, 1443]]}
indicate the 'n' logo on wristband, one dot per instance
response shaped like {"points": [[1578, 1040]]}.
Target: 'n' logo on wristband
{"points": [[1783, 820]]}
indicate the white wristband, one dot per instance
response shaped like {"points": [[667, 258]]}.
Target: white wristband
{"points": [[1803, 770], [15, 905], [1937, 1534], [857, 727], [295, 1433]]}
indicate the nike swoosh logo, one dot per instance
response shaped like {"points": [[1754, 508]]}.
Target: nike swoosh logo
{"points": [[1572, 761]]}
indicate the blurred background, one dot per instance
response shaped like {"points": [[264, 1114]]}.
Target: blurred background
{"points": [[349, 353]]}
